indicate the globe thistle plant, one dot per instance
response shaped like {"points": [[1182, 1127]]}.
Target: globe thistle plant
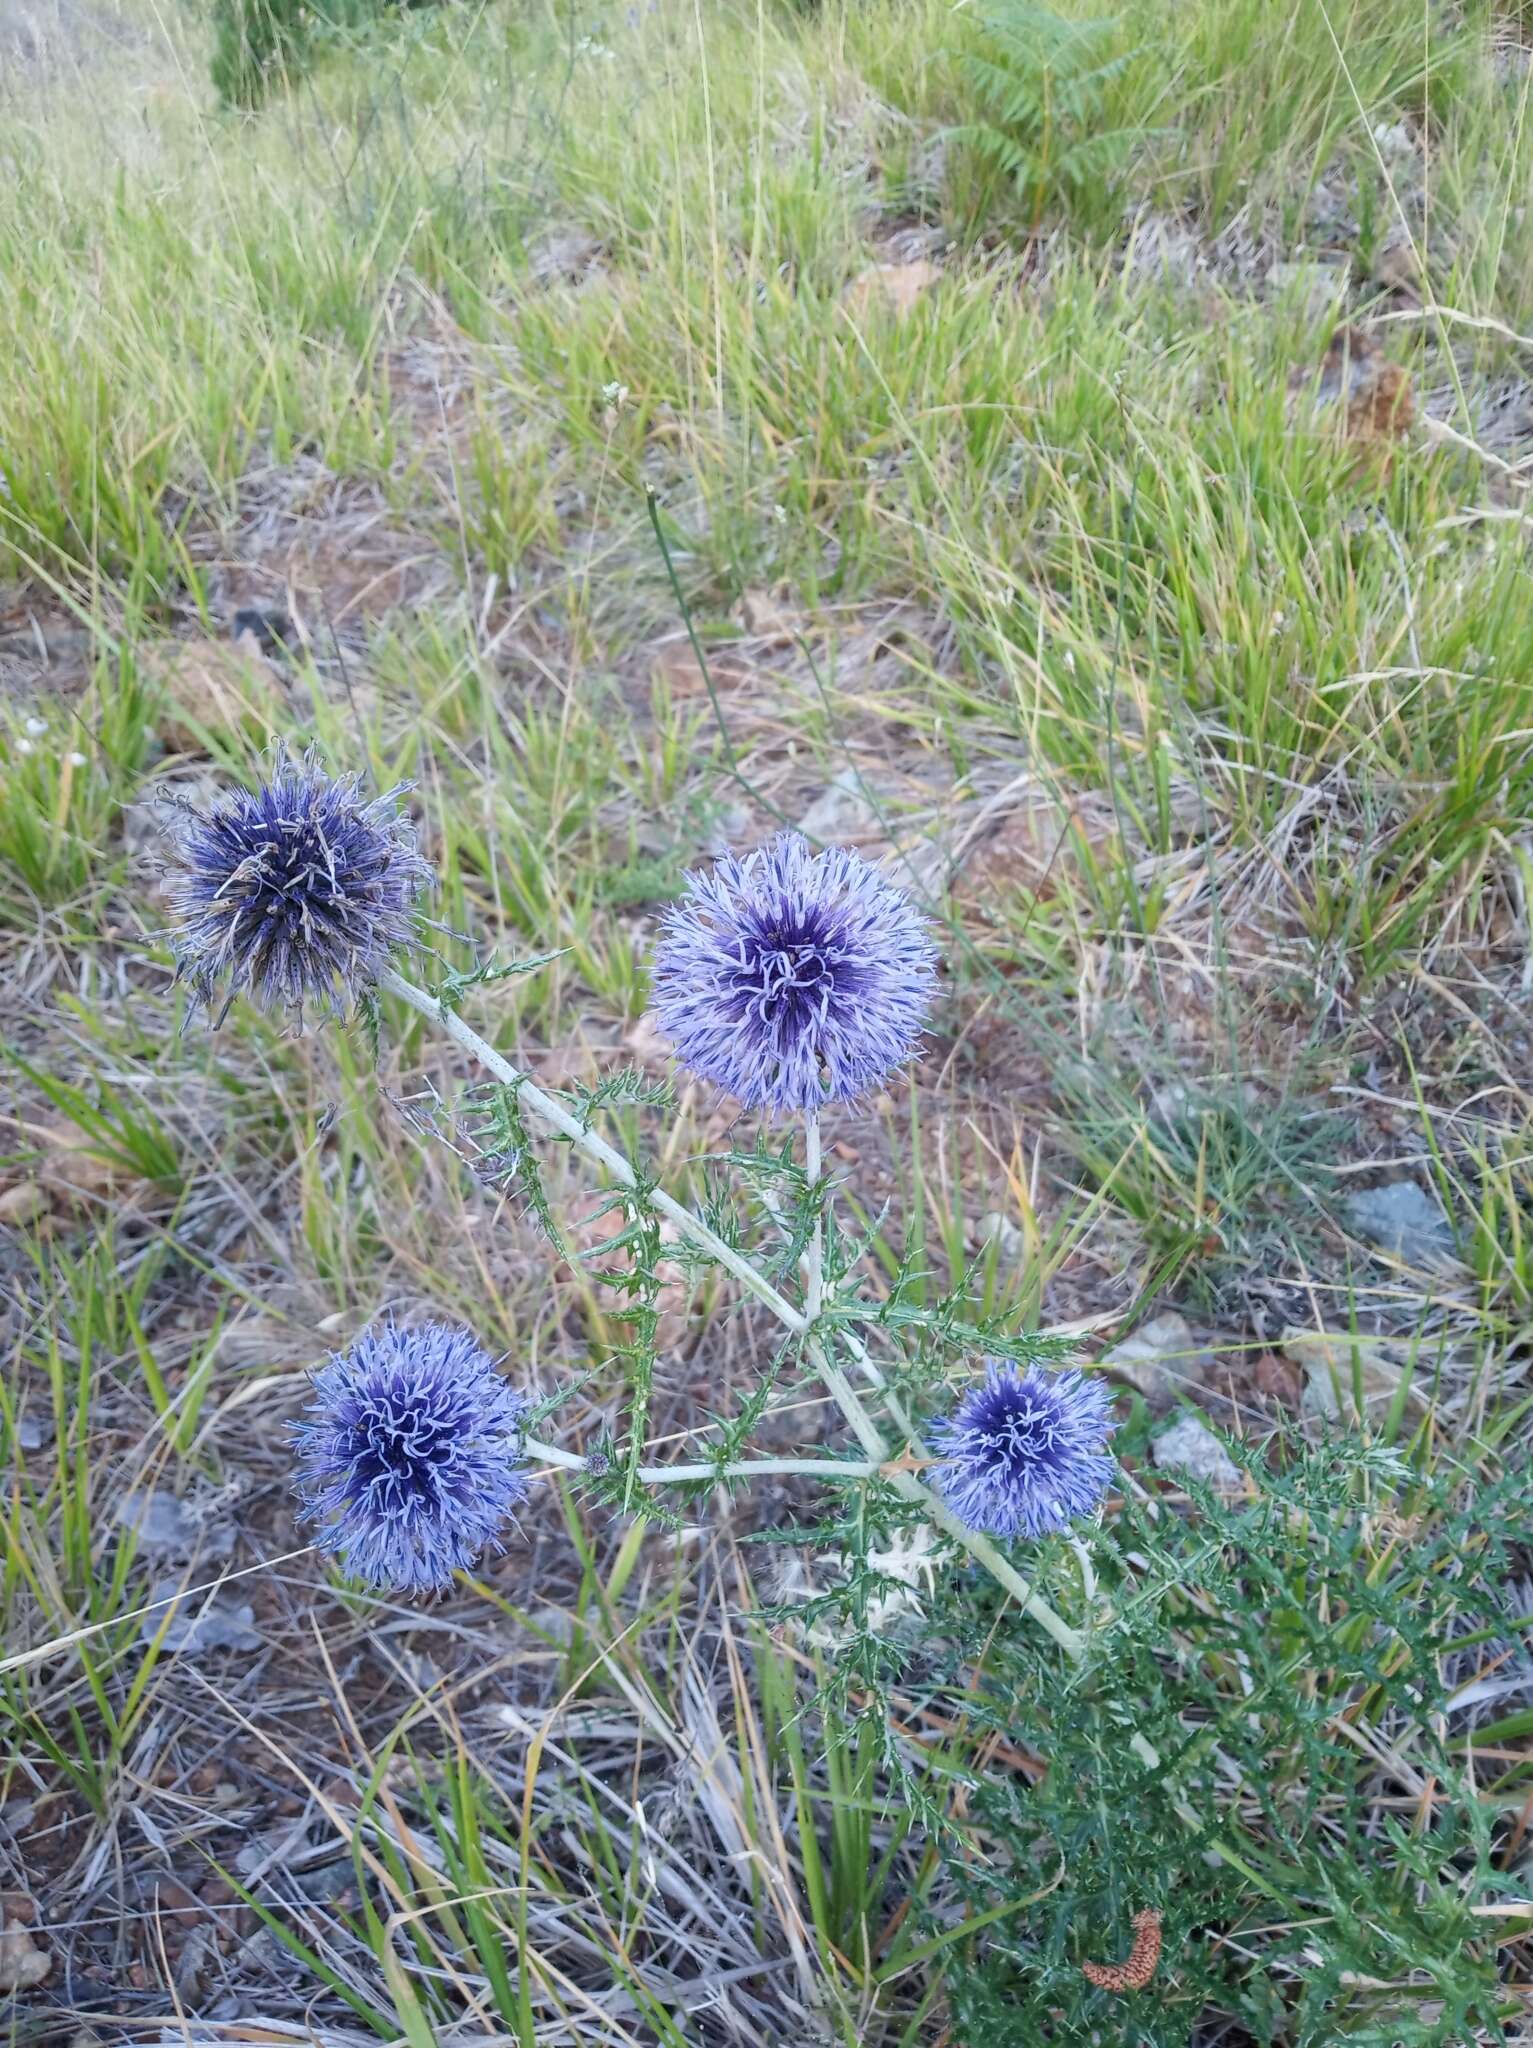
{"points": [[411, 1460], [1023, 1454], [793, 979], [297, 893]]}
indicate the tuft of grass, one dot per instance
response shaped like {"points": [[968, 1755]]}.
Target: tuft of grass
{"points": [[265, 46], [64, 777], [1223, 1183], [259, 45]]}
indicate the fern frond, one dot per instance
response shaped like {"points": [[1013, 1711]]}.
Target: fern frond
{"points": [[1039, 85], [998, 151], [1007, 97]]}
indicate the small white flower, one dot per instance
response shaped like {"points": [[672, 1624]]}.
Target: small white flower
{"points": [[37, 727], [614, 396], [780, 514], [77, 760], [25, 747]]}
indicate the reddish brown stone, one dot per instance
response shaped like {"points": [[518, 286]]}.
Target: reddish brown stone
{"points": [[1279, 1379]]}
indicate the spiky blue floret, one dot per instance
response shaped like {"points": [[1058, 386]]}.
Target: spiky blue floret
{"points": [[793, 979], [1024, 1453], [297, 893], [411, 1459]]}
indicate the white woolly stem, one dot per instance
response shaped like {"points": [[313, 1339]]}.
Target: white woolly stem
{"points": [[814, 1256], [740, 1468], [901, 1477], [1070, 1640], [595, 1147]]}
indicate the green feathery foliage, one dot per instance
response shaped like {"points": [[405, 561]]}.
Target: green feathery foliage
{"points": [[1250, 1640], [1041, 88]]}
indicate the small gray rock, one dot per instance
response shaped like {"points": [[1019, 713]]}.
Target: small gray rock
{"points": [[325, 1883], [1395, 141], [1162, 1359], [160, 1521], [202, 1621], [1401, 1218], [23, 1965], [729, 830], [840, 811], [262, 1955], [168, 1527], [1190, 1446], [286, 1845], [1334, 1364], [1000, 1231]]}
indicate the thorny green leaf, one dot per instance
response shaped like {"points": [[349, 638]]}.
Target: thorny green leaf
{"points": [[454, 985]]}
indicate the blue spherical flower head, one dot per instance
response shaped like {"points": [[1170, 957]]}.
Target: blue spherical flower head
{"points": [[793, 979], [412, 1459], [1023, 1454], [297, 893]]}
